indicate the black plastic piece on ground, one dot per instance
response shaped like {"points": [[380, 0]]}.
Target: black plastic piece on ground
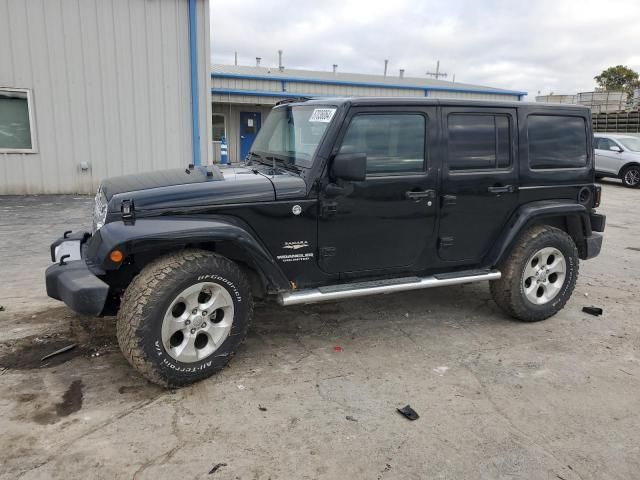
{"points": [[217, 467], [409, 412], [65, 234], [592, 310], [59, 351]]}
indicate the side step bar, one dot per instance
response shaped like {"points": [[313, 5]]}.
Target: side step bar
{"points": [[350, 290]]}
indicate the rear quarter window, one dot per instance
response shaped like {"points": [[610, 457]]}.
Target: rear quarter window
{"points": [[557, 141]]}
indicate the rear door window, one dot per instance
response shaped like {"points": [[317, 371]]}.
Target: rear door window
{"points": [[478, 141], [557, 141]]}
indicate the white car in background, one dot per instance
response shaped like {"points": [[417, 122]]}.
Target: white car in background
{"points": [[618, 155]]}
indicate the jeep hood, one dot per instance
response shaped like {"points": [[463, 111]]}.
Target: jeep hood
{"points": [[200, 186]]}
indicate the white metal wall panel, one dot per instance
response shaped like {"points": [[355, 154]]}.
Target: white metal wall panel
{"points": [[111, 86], [251, 99], [473, 96]]}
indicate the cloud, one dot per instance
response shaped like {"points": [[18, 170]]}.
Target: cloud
{"points": [[547, 45]]}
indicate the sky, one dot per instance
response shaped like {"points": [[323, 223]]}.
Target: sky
{"points": [[537, 46]]}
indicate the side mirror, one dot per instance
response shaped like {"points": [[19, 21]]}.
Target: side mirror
{"points": [[615, 148], [350, 166]]}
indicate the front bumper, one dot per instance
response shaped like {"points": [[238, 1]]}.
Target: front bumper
{"points": [[75, 285]]}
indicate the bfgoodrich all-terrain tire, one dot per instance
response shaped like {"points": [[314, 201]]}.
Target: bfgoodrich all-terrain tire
{"points": [[183, 317], [539, 275]]}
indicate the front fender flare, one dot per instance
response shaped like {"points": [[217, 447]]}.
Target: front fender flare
{"points": [[156, 234], [532, 212]]}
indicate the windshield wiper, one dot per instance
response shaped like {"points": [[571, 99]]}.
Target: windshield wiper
{"points": [[259, 158], [284, 164]]}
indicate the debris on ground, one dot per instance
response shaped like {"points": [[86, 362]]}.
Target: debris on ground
{"points": [[441, 370], [409, 412], [59, 351], [387, 467], [261, 408], [217, 467], [337, 348], [1, 308], [350, 418], [592, 310]]}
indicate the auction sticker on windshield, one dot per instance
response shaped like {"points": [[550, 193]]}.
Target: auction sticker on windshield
{"points": [[323, 115]]}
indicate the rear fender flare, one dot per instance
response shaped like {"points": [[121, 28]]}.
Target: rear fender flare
{"points": [[577, 222], [159, 234]]}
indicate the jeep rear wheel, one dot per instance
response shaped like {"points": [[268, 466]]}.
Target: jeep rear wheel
{"points": [[539, 276], [183, 317], [630, 176]]}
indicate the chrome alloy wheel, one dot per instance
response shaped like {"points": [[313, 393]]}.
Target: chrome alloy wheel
{"points": [[197, 322], [632, 177], [544, 275]]}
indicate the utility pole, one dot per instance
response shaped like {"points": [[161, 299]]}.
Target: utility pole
{"points": [[437, 73]]}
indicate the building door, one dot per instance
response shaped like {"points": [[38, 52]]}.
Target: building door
{"points": [[249, 127], [388, 220], [479, 180]]}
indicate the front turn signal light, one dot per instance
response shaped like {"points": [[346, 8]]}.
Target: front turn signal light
{"points": [[116, 256]]}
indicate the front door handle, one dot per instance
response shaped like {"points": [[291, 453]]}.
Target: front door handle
{"points": [[501, 189], [417, 195]]}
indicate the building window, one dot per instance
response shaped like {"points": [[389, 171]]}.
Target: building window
{"points": [[17, 133], [218, 127], [557, 141], [394, 144], [479, 142]]}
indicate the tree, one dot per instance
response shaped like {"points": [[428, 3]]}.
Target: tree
{"points": [[618, 78]]}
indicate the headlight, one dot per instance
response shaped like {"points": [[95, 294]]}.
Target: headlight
{"points": [[99, 210]]}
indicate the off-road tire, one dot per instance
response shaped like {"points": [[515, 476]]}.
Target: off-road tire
{"points": [[149, 296], [623, 176], [508, 291]]}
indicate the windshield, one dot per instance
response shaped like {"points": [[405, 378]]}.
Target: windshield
{"points": [[292, 134], [632, 144]]}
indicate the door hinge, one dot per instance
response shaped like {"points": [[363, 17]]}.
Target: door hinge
{"points": [[327, 252], [128, 211], [328, 209], [449, 200], [446, 242]]}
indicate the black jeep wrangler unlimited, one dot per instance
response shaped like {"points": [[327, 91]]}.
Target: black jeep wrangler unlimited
{"points": [[338, 198]]}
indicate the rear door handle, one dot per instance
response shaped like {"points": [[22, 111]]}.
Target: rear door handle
{"points": [[420, 194], [502, 189]]}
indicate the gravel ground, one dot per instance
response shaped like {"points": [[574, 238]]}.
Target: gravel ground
{"points": [[496, 398]]}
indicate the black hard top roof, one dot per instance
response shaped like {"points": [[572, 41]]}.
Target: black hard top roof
{"points": [[403, 101]]}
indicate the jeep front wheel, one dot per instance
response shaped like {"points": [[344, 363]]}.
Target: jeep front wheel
{"points": [[183, 317], [539, 276]]}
